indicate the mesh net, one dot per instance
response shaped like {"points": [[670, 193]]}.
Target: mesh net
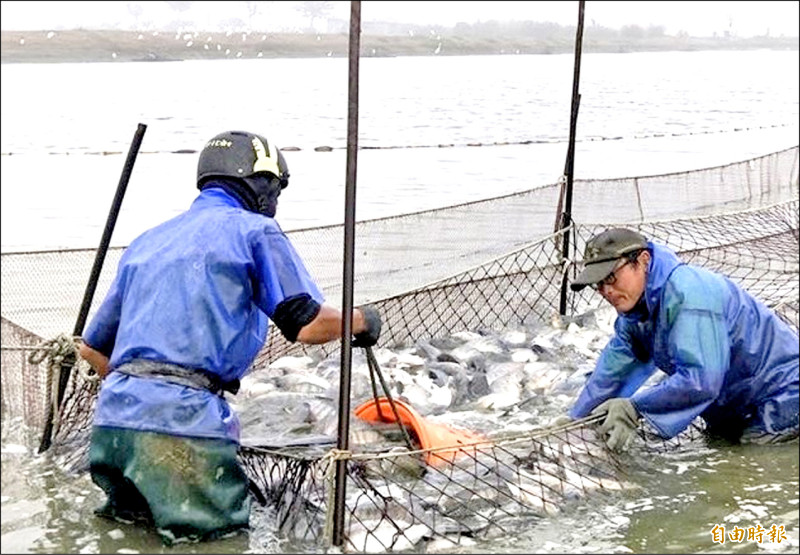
{"points": [[394, 502], [42, 291], [756, 248], [432, 274]]}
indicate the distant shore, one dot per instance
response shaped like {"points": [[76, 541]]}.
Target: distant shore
{"points": [[130, 46]]}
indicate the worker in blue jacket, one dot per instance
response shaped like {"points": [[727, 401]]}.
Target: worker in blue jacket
{"points": [[183, 320], [728, 358]]}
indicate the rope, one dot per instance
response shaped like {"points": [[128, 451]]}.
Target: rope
{"points": [[327, 148], [558, 141], [337, 455], [330, 477], [374, 369], [55, 351]]}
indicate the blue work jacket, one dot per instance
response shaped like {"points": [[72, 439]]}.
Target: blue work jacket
{"points": [[195, 291], [728, 358]]}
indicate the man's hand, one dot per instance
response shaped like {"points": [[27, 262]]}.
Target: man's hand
{"points": [[97, 360], [372, 327], [620, 424]]}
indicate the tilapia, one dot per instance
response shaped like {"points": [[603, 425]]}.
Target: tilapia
{"points": [[501, 384]]}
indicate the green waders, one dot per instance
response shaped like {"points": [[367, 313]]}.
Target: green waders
{"points": [[190, 489]]}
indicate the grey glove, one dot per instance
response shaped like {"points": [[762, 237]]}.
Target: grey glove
{"points": [[370, 335], [620, 423]]}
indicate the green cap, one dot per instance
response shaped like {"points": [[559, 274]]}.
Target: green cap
{"points": [[602, 253]]}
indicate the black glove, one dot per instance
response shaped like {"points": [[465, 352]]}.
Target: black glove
{"points": [[373, 322], [620, 424]]}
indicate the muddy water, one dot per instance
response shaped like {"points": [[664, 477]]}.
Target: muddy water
{"points": [[681, 496]]}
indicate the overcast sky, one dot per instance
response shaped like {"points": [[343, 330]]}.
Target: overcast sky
{"points": [[698, 18]]}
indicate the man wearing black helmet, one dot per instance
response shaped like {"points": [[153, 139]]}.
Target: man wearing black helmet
{"points": [[181, 324], [728, 358]]}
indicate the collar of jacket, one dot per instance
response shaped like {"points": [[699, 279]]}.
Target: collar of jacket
{"points": [[663, 262], [229, 189]]}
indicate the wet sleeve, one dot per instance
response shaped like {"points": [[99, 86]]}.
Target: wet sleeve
{"points": [[281, 278], [699, 352], [101, 332], [618, 373]]}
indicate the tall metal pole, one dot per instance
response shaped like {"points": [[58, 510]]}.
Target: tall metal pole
{"points": [[91, 286], [566, 217], [347, 277]]}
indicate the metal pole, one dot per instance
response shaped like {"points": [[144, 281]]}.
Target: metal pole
{"points": [[91, 286], [566, 218], [347, 277]]}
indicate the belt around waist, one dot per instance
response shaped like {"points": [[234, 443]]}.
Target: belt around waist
{"points": [[179, 375]]}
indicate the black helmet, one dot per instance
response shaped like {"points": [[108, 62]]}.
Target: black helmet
{"points": [[240, 154]]}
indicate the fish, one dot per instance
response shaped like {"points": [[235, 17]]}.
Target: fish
{"points": [[379, 536], [460, 371], [302, 382], [541, 377], [532, 492], [291, 363], [399, 463], [497, 383], [505, 381], [516, 370]]}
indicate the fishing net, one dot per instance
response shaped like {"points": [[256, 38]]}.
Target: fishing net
{"points": [[396, 502], [491, 264], [756, 248]]}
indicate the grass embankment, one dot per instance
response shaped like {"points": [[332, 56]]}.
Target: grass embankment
{"points": [[126, 46]]}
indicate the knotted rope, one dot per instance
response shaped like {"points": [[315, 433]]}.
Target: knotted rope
{"points": [[56, 351]]}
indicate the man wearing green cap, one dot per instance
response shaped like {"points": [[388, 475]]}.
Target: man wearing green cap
{"points": [[728, 358]]}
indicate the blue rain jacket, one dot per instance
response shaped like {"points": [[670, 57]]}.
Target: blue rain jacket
{"points": [[195, 291], [728, 358]]}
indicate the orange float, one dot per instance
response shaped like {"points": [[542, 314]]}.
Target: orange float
{"points": [[443, 440]]}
